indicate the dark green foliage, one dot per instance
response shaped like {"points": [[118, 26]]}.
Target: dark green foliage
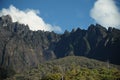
{"points": [[5, 73], [72, 68]]}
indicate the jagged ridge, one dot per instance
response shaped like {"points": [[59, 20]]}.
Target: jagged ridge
{"points": [[21, 47]]}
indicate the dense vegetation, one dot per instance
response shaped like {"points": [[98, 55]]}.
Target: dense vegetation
{"points": [[71, 68]]}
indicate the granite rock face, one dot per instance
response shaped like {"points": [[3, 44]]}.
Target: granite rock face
{"points": [[21, 48], [96, 42]]}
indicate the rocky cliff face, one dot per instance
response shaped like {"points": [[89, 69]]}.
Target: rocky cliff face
{"points": [[97, 42], [21, 48]]}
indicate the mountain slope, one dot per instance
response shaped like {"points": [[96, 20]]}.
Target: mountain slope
{"points": [[21, 48], [97, 42], [71, 68]]}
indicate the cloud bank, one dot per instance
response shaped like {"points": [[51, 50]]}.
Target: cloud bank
{"points": [[106, 13], [29, 17]]}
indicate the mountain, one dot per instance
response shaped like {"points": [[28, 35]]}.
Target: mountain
{"points": [[97, 42], [21, 48]]}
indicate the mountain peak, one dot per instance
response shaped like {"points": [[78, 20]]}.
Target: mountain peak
{"points": [[6, 18], [97, 26]]}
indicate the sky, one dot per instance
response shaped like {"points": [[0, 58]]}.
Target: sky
{"points": [[59, 15]]}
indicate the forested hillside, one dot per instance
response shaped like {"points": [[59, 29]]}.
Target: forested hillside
{"points": [[71, 68]]}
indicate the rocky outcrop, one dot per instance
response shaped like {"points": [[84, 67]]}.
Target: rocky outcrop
{"points": [[97, 42], [21, 48]]}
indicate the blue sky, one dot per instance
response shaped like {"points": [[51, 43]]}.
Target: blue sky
{"points": [[67, 14]]}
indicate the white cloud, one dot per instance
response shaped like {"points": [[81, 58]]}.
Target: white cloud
{"points": [[106, 13], [29, 17]]}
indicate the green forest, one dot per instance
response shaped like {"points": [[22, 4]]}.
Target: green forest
{"points": [[69, 68]]}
